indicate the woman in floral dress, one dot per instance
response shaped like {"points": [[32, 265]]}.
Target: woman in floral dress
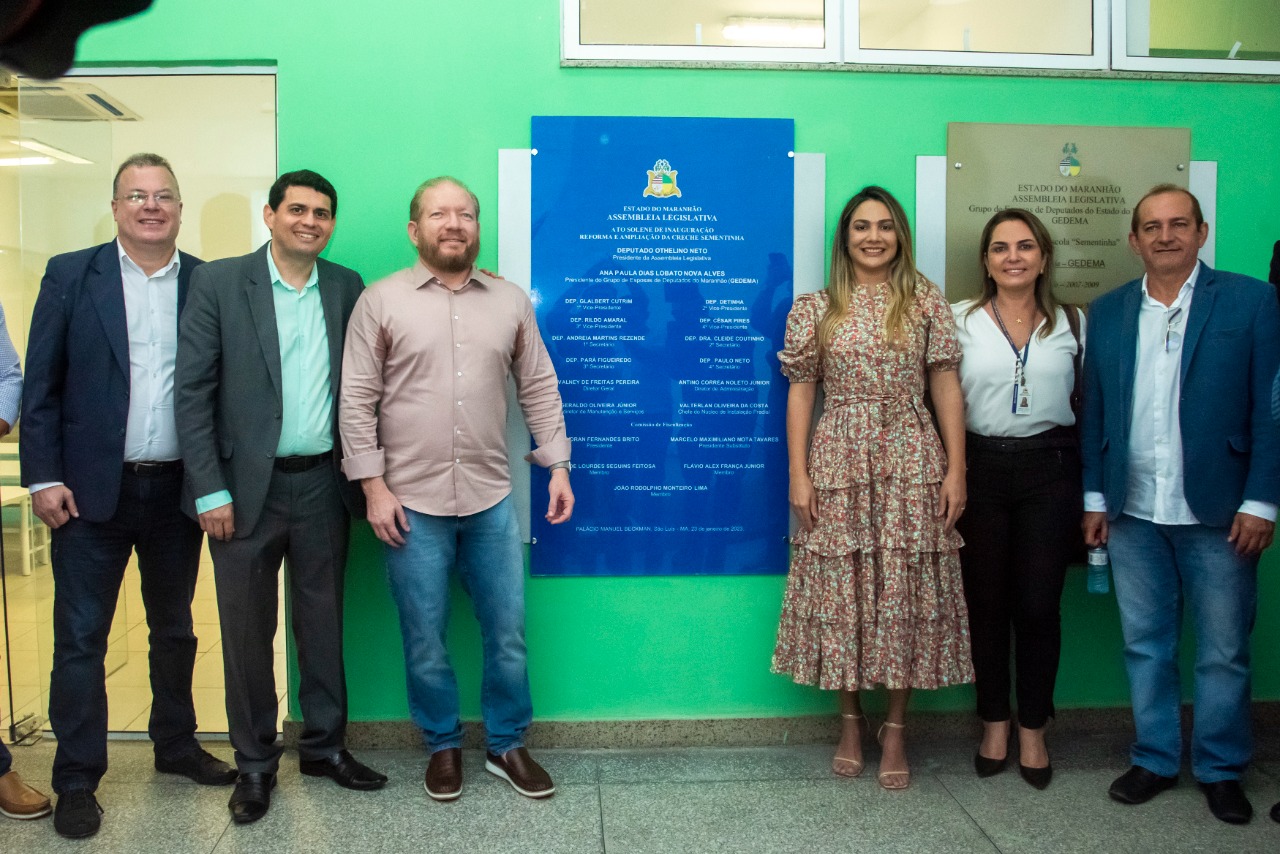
{"points": [[874, 595]]}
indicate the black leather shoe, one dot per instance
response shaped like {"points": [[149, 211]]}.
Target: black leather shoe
{"points": [[345, 770], [988, 767], [1227, 801], [200, 766], [1039, 778], [443, 780], [1138, 785], [252, 797], [1275, 811], [77, 814]]}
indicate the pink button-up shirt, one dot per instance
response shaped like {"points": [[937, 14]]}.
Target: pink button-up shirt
{"points": [[424, 390]]}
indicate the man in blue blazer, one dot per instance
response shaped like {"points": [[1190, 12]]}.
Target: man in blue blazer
{"points": [[99, 451], [1275, 415], [1182, 477]]}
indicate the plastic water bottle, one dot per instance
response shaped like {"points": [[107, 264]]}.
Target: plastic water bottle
{"points": [[1099, 579]]}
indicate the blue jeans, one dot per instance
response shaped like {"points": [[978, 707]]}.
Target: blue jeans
{"points": [[6, 758], [1155, 568], [484, 549]]}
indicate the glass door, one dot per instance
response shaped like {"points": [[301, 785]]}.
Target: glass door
{"points": [[60, 143], [55, 160]]}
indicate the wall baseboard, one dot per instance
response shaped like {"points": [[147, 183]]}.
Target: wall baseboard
{"points": [[736, 732]]}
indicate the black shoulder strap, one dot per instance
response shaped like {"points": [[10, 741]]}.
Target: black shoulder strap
{"points": [[1073, 320]]}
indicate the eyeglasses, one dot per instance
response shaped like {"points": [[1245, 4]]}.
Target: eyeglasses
{"points": [[163, 199], [1172, 321]]}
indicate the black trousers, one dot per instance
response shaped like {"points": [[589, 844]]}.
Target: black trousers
{"points": [[1021, 529], [89, 560], [305, 526]]}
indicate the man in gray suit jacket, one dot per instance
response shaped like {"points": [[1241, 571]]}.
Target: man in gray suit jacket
{"points": [[259, 360]]}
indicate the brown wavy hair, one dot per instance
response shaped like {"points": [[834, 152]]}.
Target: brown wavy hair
{"points": [[1046, 302]]}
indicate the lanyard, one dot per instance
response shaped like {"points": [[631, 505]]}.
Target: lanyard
{"points": [[1020, 369]]}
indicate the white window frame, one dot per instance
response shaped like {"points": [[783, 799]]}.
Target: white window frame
{"points": [[1112, 21], [1096, 60], [1137, 13], [571, 48]]}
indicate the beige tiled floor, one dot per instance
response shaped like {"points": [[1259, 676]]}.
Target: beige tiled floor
{"points": [[29, 607]]}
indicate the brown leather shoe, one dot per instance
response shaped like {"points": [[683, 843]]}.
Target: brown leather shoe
{"points": [[20, 801], [443, 781], [517, 767]]}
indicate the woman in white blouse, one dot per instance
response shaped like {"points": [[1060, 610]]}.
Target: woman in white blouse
{"points": [[1021, 527]]}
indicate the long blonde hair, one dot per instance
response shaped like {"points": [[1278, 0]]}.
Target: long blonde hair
{"points": [[842, 283]]}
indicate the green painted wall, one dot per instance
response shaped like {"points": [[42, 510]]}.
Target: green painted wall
{"points": [[379, 95]]}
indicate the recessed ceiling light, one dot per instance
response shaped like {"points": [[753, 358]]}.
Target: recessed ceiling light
{"points": [[51, 151]]}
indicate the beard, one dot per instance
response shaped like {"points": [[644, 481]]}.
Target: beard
{"points": [[451, 262]]}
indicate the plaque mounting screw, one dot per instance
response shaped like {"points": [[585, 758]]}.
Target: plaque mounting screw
{"points": [[958, 165], [1181, 167]]}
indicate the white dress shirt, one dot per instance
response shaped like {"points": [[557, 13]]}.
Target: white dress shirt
{"points": [[1155, 481], [987, 372]]}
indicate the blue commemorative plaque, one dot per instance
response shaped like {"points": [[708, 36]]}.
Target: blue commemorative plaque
{"points": [[662, 275]]}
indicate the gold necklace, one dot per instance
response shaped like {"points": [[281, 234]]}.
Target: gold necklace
{"points": [[995, 303]]}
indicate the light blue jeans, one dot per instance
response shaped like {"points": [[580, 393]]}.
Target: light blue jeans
{"points": [[484, 549], [1156, 568]]}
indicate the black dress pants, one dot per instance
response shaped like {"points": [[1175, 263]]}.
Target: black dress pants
{"points": [[89, 560], [1021, 529], [305, 526]]}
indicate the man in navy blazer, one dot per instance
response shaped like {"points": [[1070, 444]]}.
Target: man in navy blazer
{"points": [[1275, 415], [1182, 477], [99, 451]]}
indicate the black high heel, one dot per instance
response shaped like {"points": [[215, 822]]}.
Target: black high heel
{"points": [[1037, 777], [988, 767]]}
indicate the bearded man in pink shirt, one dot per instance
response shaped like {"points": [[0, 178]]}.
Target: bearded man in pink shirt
{"points": [[423, 416]]}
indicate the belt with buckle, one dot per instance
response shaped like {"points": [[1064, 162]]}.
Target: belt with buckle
{"points": [[293, 465], [151, 468], [1056, 437]]}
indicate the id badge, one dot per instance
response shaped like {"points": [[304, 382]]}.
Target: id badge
{"points": [[1023, 401]]}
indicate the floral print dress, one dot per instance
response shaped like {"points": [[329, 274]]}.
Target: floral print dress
{"points": [[874, 594]]}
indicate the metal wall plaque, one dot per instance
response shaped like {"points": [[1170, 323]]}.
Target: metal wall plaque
{"points": [[1082, 182]]}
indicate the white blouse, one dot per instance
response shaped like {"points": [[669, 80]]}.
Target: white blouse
{"points": [[987, 375]]}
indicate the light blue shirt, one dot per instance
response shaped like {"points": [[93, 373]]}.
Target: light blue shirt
{"points": [[306, 424], [151, 313], [10, 376], [307, 420]]}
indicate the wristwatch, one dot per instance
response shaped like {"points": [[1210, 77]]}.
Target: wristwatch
{"points": [[563, 464]]}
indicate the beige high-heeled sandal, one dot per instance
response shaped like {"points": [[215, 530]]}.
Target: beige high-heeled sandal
{"points": [[844, 766], [886, 777]]}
